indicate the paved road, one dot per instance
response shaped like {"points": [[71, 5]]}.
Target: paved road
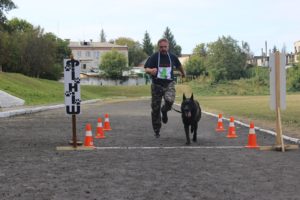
{"points": [[32, 168]]}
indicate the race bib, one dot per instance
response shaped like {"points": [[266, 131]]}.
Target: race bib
{"points": [[164, 73]]}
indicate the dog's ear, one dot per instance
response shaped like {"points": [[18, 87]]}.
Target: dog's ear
{"points": [[183, 97], [192, 97]]}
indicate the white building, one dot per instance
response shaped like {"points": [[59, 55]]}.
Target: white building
{"points": [[297, 51], [89, 53]]}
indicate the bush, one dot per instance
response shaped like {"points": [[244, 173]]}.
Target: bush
{"points": [[293, 78]]}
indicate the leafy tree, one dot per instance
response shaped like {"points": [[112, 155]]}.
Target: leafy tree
{"points": [[195, 65], [225, 59], [19, 25], [200, 50], [147, 45], [5, 6], [28, 50], [246, 50], [4, 49], [293, 78], [135, 51], [62, 49], [113, 64], [173, 47], [274, 49], [102, 36], [125, 41]]}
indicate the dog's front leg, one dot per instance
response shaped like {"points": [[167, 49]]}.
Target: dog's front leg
{"points": [[186, 128], [195, 132]]}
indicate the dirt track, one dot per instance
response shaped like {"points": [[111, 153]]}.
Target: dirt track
{"points": [[32, 168]]}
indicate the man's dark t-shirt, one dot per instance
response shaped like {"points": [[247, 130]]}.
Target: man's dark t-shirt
{"points": [[165, 63]]}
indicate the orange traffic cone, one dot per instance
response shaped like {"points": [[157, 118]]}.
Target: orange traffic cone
{"points": [[252, 137], [220, 124], [100, 132], [88, 141], [231, 130], [106, 123]]}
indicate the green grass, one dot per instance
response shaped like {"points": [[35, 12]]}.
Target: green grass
{"points": [[251, 107], [40, 91], [33, 91], [205, 87]]}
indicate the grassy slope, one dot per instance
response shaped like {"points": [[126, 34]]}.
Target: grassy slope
{"points": [[33, 91], [40, 91]]}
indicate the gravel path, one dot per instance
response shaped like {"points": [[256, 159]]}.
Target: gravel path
{"points": [[32, 168]]}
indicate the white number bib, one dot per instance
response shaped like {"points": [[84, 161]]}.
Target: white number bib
{"points": [[164, 72]]}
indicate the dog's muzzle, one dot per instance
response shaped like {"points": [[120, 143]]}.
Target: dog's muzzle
{"points": [[188, 114]]}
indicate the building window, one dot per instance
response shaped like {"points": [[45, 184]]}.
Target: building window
{"points": [[78, 54], [84, 66], [88, 54], [96, 54]]}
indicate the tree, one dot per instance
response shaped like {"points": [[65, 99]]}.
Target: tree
{"points": [[125, 41], [113, 64], [225, 59], [173, 47], [200, 50], [274, 49], [195, 65], [19, 25], [246, 50], [102, 36], [147, 45], [5, 6], [28, 50], [135, 51]]}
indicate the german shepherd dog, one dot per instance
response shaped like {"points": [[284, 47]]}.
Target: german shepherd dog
{"points": [[191, 114]]}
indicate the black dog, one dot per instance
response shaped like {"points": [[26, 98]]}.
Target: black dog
{"points": [[191, 114]]}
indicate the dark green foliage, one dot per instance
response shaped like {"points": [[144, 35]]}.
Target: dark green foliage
{"points": [[195, 66], [135, 52], [28, 50], [293, 78], [113, 64], [226, 60], [102, 36], [5, 6], [147, 45], [173, 47]]}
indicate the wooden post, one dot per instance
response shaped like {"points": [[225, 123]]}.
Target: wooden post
{"points": [[74, 131], [279, 139]]}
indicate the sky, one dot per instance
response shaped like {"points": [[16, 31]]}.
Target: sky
{"points": [[191, 21]]}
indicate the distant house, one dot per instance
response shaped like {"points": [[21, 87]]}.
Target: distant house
{"points": [[262, 61], [89, 53], [297, 51], [184, 58]]}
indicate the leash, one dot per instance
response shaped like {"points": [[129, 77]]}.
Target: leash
{"points": [[176, 110]]}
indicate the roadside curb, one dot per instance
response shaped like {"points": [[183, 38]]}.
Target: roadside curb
{"points": [[24, 111], [291, 139], [38, 109]]}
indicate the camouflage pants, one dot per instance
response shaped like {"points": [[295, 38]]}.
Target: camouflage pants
{"points": [[158, 92]]}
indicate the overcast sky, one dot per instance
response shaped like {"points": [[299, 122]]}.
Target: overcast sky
{"points": [[191, 21]]}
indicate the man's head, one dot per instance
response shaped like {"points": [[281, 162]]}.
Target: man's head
{"points": [[163, 45]]}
